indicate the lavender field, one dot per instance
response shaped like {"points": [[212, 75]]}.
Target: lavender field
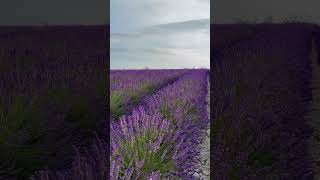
{"points": [[52, 95], [128, 87], [263, 102], [159, 138], [263, 122], [155, 128]]}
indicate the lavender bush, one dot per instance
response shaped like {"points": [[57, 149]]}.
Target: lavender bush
{"points": [[157, 140], [260, 96], [125, 92], [52, 94], [162, 135]]}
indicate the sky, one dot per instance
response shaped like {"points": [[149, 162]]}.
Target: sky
{"points": [[159, 34]]}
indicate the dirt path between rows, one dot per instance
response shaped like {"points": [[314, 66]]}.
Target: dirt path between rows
{"points": [[202, 170]]}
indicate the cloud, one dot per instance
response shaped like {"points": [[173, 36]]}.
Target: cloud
{"points": [[127, 15], [119, 50], [182, 26], [160, 33], [171, 51], [180, 44]]}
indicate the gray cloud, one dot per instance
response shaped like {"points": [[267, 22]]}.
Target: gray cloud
{"points": [[190, 27], [184, 26], [127, 15], [119, 50], [160, 34]]}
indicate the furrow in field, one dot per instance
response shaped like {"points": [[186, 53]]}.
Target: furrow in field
{"points": [[202, 167]]}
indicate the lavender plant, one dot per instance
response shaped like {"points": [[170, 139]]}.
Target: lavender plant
{"points": [[125, 93], [260, 91], [52, 94], [177, 106], [156, 141]]}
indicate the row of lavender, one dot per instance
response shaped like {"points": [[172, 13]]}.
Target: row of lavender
{"points": [[160, 138], [260, 96], [157, 140], [128, 87], [225, 36], [52, 94]]}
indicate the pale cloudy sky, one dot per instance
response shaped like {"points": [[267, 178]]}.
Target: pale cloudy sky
{"points": [[160, 34]]}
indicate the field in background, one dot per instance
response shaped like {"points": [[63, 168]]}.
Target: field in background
{"points": [[128, 87]]}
